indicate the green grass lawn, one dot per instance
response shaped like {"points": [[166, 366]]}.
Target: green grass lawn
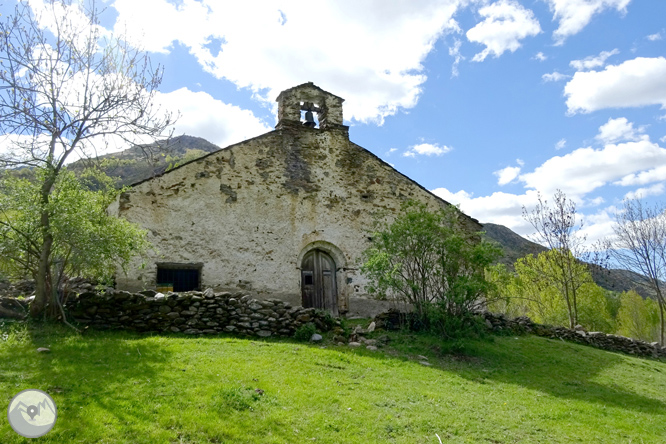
{"points": [[119, 387]]}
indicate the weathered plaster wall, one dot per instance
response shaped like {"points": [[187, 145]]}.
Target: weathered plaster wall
{"points": [[249, 212]]}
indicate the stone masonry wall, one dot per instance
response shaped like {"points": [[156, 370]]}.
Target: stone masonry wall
{"points": [[248, 214], [193, 312]]}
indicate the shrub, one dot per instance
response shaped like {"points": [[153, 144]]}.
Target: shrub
{"points": [[433, 262], [305, 332]]}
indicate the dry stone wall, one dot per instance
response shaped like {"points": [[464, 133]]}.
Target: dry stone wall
{"points": [[193, 313], [598, 339], [498, 323]]}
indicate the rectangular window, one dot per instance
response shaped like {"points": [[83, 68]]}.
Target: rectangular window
{"points": [[179, 277]]}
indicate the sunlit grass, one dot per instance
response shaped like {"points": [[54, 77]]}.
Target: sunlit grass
{"points": [[119, 387]]}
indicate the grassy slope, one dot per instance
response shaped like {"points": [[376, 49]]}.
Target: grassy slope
{"points": [[115, 387]]}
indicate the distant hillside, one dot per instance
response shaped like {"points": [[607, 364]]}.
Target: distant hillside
{"points": [[143, 161], [516, 246]]}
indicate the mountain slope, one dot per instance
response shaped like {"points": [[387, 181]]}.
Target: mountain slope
{"points": [[514, 245], [143, 161]]}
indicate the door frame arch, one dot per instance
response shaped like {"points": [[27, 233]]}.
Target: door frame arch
{"points": [[327, 247]]}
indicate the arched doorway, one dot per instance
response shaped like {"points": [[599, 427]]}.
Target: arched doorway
{"points": [[318, 282]]}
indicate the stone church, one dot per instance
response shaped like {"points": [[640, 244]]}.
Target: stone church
{"points": [[286, 214]]}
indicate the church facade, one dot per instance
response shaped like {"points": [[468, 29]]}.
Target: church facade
{"points": [[285, 215]]}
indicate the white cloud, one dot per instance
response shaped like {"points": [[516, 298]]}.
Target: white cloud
{"points": [[506, 175], [499, 208], [619, 130], [453, 198], [561, 144], [507, 209], [637, 82], [454, 51], [505, 23], [574, 15], [594, 202], [216, 121], [656, 174], [426, 149], [598, 226], [592, 62], [554, 77], [370, 53], [654, 37], [586, 169], [540, 56], [640, 193]]}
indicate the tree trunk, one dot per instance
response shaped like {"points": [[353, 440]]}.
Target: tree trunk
{"points": [[43, 283], [660, 302], [662, 321], [567, 298]]}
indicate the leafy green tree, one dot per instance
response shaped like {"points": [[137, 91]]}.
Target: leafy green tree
{"points": [[85, 240], [594, 311], [66, 90], [539, 290], [429, 260], [507, 293], [638, 318], [558, 228]]}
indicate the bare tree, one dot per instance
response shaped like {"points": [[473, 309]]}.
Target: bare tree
{"points": [[639, 244], [67, 89], [559, 229]]}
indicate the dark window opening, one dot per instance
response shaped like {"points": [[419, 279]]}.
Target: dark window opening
{"points": [[179, 279], [307, 279]]}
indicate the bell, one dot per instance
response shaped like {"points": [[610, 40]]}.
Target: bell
{"points": [[309, 120]]}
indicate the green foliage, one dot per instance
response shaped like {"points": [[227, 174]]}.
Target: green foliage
{"points": [[507, 292], [594, 309], [14, 332], [537, 291], [176, 161], [425, 258], [86, 241], [638, 318], [437, 319], [305, 332]]}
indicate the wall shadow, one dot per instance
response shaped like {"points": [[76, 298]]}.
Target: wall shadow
{"points": [[108, 371], [81, 372], [535, 363]]}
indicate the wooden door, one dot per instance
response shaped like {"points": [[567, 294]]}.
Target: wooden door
{"points": [[318, 282]]}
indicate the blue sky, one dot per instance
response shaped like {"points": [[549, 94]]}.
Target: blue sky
{"points": [[485, 102]]}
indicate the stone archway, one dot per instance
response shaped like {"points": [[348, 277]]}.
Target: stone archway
{"points": [[319, 281]]}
